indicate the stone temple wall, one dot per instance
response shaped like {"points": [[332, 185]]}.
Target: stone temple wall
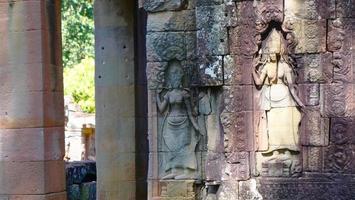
{"points": [[251, 99]]}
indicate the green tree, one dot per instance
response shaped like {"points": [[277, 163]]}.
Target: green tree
{"points": [[77, 31], [79, 84], [78, 52]]}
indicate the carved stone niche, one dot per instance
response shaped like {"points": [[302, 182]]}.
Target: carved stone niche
{"points": [[186, 129], [279, 115]]}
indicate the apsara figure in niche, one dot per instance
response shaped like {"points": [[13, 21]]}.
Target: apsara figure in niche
{"points": [[179, 128], [275, 75]]}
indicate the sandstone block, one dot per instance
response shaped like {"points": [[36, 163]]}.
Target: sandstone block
{"points": [[41, 175], [238, 98], [338, 99], [345, 8], [212, 36], [21, 114], [312, 159], [172, 21], [314, 129], [237, 70], [210, 71], [315, 68], [237, 166], [243, 38], [167, 46], [21, 16], [311, 35], [313, 10], [32, 144], [238, 131], [157, 5]]}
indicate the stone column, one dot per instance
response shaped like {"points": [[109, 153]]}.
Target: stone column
{"points": [[115, 99], [31, 101]]}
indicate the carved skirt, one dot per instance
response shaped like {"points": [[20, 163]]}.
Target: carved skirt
{"points": [[179, 143], [282, 127]]}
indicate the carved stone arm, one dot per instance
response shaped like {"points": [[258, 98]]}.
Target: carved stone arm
{"points": [[162, 105]]}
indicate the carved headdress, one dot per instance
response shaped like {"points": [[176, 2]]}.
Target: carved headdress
{"points": [[273, 43]]}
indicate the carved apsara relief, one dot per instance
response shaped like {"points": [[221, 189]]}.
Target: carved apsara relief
{"points": [[179, 128], [274, 75]]}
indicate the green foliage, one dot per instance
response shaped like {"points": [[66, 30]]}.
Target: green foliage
{"points": [[78, 52], [77, 31], [79, 84]]}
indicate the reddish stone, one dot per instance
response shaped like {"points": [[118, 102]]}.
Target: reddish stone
{"points": [[311, 36], [341, 131], [238, 70], [345, 8], [315, 68], [237, 166], [314, 129], [238, 98], [238, 131], [309, 94], [32, 144], [243, 39], [338, 100], [213, 166], [40, 177], [312, 159]]}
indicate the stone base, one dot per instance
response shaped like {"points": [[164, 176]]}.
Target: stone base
{"points": [[298, 189], [176, 190], [277, 169]]}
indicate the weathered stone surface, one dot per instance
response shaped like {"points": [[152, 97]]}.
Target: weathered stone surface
{"points": [[231, 13], [338, 99], [32, 144], [156, 74], [336, 35], [309, 94], [210, 71], [245, 10], [339, 158], [342, 130], [310, 9], [340, 42], [212, 36], [200, 3], [248, 190], [115, 83], [177, 189], [238, 98], [214, 165], [40, 174], [237, 70], [172, 21], [312, 159], [314, 129], [243, 38], [167, 46], [228, 190], [315, 68], [237, 129], [158, 5], [237, 166], [272, 189], [311, 35], [345, 8]]}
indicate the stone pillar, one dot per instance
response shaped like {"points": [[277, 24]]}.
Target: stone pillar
{"points": [[115, 99], [31, 101]]}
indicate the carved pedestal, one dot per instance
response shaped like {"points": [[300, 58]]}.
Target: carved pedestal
{"points": [[176, 190]]}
